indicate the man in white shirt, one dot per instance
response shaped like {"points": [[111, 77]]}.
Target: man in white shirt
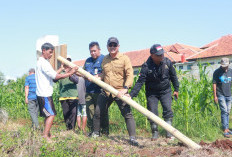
{"points": [[44, 76]]}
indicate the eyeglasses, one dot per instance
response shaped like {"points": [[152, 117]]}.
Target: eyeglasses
{"points": [[113, 45]]}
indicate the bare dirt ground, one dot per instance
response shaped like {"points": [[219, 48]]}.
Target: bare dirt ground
{"points": [[114, 145]]}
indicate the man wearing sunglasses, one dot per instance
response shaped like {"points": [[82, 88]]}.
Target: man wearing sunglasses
{"points": [[117, 71]]}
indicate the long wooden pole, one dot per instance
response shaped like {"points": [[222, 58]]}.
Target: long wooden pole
{"points": [[134, 104]]}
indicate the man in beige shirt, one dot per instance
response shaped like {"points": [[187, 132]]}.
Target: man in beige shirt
{"points": [[117, 71]]}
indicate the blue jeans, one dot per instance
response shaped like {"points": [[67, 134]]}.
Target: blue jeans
{"points": [[225, 106]]}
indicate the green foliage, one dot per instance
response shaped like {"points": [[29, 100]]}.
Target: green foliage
{"points": [[2, 78], [12, 98], [195, 113]]}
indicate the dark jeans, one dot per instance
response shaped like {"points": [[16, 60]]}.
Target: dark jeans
{"points": [[70, 112], [166, 102], [101, 113]]}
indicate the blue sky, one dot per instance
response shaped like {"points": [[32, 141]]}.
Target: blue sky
{"points": [[138, 24]]}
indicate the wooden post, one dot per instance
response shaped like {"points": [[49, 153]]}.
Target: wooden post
{"points": [[138, 107], [60, 50]]}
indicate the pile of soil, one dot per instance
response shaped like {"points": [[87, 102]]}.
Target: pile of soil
{"points": [[221, 144]]}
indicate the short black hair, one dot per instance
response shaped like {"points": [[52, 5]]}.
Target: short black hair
{"points": [[32, 70], [94, 43], [47, 46]]}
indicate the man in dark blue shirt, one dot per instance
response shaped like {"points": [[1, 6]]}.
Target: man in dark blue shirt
{"points": [[222, 93], [156, 73], [31, 99], [93, 66]]}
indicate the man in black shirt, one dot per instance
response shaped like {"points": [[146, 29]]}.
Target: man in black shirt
{"points": [[222, 93], [157, 72]]}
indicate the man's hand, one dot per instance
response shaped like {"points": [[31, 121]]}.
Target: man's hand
{"points": [[216, 99], [175, 94], [98, 76], [73, 70], [128, 95], [122, 92]]}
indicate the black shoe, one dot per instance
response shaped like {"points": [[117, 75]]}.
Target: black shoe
{"points": [[155, 135], [133, 142], [89, 134], [94, 135]]}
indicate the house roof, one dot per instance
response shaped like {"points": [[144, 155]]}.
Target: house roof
{"points": [[219, 47], [80, 62], [173, 52]]}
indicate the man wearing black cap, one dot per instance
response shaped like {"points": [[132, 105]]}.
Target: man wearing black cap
{"points": [[117, 71], [157, 72]]}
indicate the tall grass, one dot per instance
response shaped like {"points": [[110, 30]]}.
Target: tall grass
{"points": [[195, 112], [12, 98]]}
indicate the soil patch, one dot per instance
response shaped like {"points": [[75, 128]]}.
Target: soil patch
{"points": [[221, 144]]}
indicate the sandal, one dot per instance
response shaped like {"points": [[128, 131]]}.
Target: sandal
{"points": [[227, 135]]}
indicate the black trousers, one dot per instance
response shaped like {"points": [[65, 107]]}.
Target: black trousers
{"points": [[166, 102], [101, 113], [70, 112]]}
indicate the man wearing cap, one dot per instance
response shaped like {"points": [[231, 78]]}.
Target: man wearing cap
{"points": [[222, 93], [116, 71], [68, 96], [157, 73], [93, 66], [44, 77], [30, 98]]}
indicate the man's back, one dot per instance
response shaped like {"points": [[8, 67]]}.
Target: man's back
{"points": [[30, 81]]}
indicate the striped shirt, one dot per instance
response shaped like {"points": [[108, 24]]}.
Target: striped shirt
{"points": [[30, 81]]}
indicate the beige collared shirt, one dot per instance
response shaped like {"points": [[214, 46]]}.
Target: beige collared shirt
{"points": [[118, 71]]}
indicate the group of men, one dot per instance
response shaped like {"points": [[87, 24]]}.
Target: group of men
{"points": [[116, 70]]}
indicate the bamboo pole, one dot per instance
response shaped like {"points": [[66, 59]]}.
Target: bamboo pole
{"points": [[138, 107]]}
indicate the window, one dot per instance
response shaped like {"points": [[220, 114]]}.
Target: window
{"points": [[211, 63], [181, 67], [189, 67], [204, 64]]}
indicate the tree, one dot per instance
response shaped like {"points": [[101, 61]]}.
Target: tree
{"points": [[2, 78]]}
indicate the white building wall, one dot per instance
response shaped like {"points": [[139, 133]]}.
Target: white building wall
{"points": [[214, 64]]}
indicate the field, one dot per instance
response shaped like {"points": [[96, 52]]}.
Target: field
{"points": [[195, 115]]}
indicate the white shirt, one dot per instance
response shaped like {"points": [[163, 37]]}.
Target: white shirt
{"points": [[44, 75]]}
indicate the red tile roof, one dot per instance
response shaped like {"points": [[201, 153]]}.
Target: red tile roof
{"points": [[219, 47], [174, 53], [138, 57], [80, 62]]}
